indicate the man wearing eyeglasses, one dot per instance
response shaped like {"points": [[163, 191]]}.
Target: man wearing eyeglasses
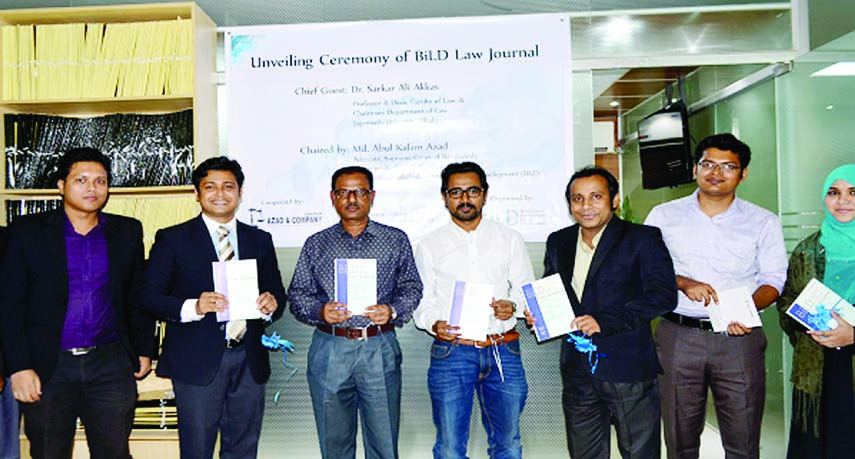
{"points": [[473, 249], [354, 362], [718, 242]]}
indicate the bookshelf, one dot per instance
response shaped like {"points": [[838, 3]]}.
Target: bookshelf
{"points": [[195, 91], [80, 79]]}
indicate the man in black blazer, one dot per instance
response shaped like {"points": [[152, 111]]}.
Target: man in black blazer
{"points": [[73, 336], [618, 276], [10, 420], [219, 370]]}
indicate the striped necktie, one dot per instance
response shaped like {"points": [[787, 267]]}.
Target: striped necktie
{"points": [[224, 248], [235, 329]]}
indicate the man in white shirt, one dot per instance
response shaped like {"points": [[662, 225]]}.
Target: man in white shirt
{"points": [[718, 242], [219, 370], [477, 251]]}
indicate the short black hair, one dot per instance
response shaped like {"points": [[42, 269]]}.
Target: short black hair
{"points": [[590, 171], [76, 155], [462, 168], [724, 142], [217, 163], [353, 170]]}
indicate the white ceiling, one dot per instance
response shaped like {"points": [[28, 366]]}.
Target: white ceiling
{"points": [[251, 12]]}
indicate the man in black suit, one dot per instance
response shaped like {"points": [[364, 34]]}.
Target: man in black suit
{"points": [[618, 276], [9, 418], [73, 336], [219, 370]]}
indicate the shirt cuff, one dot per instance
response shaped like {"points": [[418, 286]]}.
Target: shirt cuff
{"points": [[188, 311]]}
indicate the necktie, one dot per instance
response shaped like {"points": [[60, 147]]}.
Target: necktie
{"points": [[235, 329], [224, 248]]}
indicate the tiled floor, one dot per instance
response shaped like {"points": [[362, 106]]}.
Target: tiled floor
{"points": [[710, 445]]}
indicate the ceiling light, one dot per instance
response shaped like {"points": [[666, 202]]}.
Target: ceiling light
{"points": [[838, 69], [614, 103], [617, 30], [829, 107]]}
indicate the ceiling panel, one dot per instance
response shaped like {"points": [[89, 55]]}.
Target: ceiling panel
{"points": [[724, 27], [252, 12], [636, 86]]}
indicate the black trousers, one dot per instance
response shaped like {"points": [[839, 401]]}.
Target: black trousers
{"points": [[231, 407], [100, 389], [591, 406]]}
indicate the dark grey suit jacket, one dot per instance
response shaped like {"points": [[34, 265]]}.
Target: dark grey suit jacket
{"points": [[3, 235]]}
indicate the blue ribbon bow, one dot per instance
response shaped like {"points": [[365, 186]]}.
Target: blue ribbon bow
{"points": [[822, 319], [276, 343], [586, 345]]}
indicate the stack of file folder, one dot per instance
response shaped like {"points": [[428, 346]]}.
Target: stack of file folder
{"points": [[96, 60]]}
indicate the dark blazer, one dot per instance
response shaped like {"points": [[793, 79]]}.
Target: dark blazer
{"points": [[179, 268], [630, 282], [34, 290], [3, 234]]}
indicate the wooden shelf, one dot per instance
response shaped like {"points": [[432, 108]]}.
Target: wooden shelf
{"points": [[90, 107], [114, 13], [141, 434], [143, 190], [202, 97]]}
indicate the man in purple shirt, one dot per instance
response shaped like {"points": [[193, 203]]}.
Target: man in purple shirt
{"points": [[73, 337]]}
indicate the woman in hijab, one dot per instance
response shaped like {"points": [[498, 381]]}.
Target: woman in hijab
{"points": [[823, 423]]}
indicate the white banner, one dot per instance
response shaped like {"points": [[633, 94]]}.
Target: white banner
{"points": [[404, 99]]}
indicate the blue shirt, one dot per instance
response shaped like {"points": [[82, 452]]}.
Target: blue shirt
{"points": [[89, 319], [398, 282], [742, 246]]}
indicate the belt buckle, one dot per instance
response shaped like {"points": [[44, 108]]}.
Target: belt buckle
{"points": [[77, 351], [483, 344], [357, 333], [490, 341]]}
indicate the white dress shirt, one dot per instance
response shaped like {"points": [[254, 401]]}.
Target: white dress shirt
{"points": [[188, 309], [491, 254]]}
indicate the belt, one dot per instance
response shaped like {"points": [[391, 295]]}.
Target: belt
{"points": [[693, 322], [356, 332], [233, 343], [499, 338], [80, 350]]}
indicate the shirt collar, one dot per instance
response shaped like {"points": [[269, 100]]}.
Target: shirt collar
{"points": [[212, 224], [462, 232], [596, 239], [370, 228], [69, 227], [734, 207]]}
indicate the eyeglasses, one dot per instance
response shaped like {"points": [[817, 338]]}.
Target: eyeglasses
{"points": [[726, 169], [472, 192], [359, 193]]}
